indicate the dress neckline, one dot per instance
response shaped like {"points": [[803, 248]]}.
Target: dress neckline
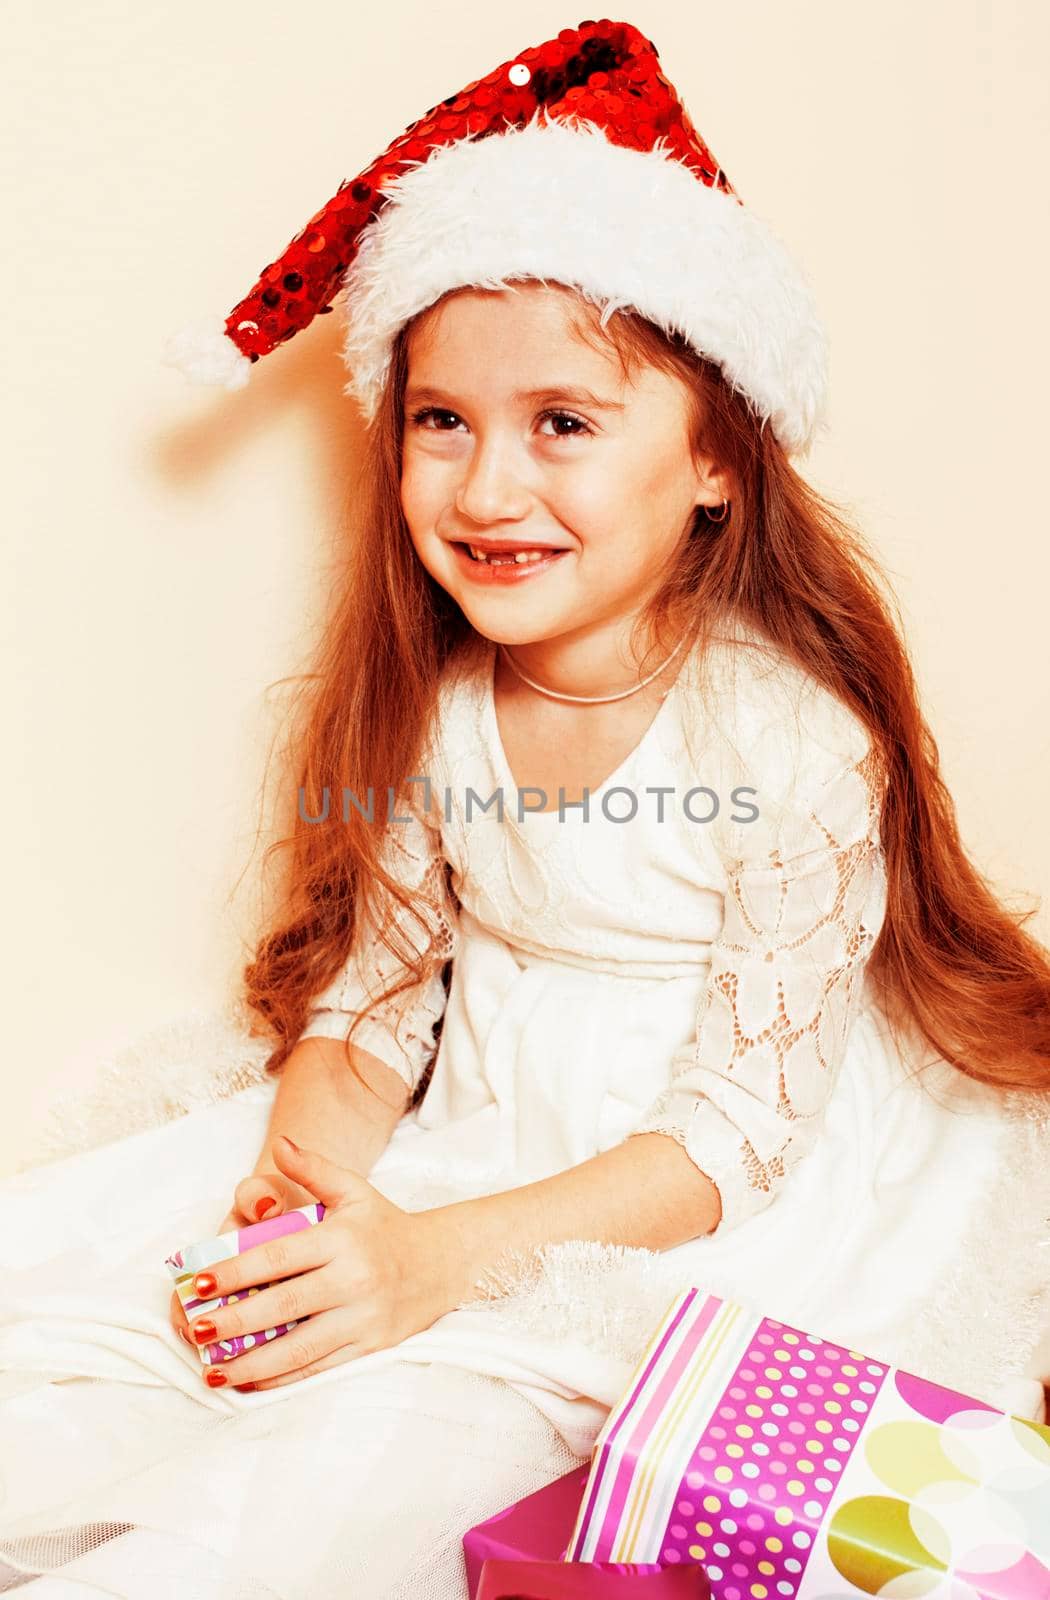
{"points": [[506, 778]]}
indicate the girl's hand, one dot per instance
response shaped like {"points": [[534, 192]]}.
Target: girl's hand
{"points": [[261, 1195], [367, 1277]]}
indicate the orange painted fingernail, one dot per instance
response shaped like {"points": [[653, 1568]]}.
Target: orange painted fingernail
{"points": [[263, 1206], [214, 1379], [242, 1388], [205, 1285], [203, 1331]]}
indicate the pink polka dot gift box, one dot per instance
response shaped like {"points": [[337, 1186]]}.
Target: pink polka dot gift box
{"points": [[791, 1468], [186, 1263]]}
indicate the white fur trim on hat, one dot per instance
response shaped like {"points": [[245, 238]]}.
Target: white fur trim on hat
{"points": [[558, 202]]}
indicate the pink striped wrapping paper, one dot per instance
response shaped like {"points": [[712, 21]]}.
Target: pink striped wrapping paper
{"points": [[795, 1469], [186, 1263]]}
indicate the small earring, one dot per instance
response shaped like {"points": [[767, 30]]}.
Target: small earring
{"points": [[722, 515]]}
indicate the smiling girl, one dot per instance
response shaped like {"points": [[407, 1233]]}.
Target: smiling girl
{"points": [[624, 909]]}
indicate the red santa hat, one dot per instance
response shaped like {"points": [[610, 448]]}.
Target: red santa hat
{"points": [[574, 162]]}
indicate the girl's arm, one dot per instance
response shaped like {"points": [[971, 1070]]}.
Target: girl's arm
{"points": [[322, 1105], [644, 1194], [748, 1094]]}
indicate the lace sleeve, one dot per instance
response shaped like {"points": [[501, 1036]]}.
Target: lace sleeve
{"points": [[747, 1095], [400, 1031]]}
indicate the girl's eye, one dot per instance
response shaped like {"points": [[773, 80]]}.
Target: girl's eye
{"points": [[580, 427]]}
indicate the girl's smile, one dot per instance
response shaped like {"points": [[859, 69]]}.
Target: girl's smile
{"points": [[508, 568]]}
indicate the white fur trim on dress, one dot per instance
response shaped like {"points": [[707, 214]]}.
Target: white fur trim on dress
{"points": [[558, 202]]}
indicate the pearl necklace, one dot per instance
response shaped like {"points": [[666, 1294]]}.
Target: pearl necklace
{"points": [[590, 699]]}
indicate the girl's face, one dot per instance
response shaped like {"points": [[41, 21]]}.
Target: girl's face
{"points": [[518, 434]]}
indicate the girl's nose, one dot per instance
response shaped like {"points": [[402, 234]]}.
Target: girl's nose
{"points": [[490, 490]]}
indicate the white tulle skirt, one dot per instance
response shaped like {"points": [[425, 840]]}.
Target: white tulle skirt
{"points": [[915, 1234], [122, 1473]]}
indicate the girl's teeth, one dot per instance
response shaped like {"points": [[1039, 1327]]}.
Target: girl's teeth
{"points": [[520, 556]]}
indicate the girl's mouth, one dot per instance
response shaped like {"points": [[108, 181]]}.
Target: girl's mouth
{"points": [[508, 568]]}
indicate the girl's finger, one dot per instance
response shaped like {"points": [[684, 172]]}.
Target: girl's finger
{"points": [[257, 1198], [297, 1252], [285, 1302], [327, 1340], [337, 1358]]}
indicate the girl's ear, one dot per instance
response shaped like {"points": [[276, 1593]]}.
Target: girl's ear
{"points": [[712, 485], [709, 477]]}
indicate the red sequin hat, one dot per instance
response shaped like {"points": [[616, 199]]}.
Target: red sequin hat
{"points": [[575, 163]]}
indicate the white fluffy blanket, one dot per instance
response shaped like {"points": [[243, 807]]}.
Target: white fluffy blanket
{"points": [[998, 1288]]}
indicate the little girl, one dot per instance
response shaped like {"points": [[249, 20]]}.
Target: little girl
{"points": [[626, 940]]}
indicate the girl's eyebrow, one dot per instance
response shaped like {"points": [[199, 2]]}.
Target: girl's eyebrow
{"points": [[573, 393]]}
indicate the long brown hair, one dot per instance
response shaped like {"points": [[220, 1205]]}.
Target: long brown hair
{"points": [[952, 966]]}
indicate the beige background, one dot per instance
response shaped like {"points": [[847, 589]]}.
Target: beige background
{"points": [[168, 547]]}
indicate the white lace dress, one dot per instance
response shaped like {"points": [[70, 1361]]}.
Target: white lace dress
{"points": [[701, 979]]}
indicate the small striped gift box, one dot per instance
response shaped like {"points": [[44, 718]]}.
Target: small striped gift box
{"points": [[185, 1264], [792, 1468]]}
